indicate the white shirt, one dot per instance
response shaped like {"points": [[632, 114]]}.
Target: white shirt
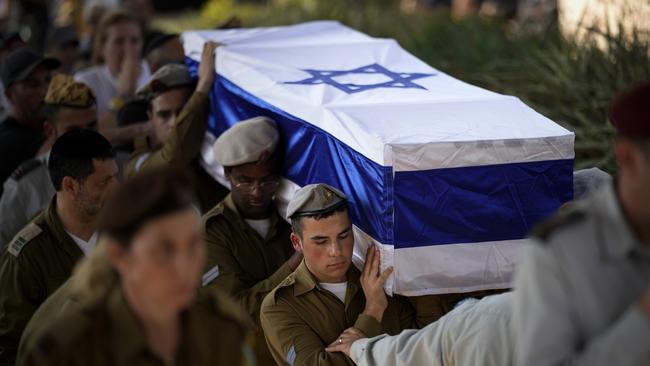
{"points": [[104, 85], [85, 246], [260, 226], [338, 289], [476, 332]]}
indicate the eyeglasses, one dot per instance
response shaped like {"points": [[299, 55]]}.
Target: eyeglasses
{"points": [[268, 185]]}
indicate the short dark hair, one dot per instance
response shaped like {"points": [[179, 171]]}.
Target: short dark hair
{"points": [[296, 220], [145, 197], [73, 153]]}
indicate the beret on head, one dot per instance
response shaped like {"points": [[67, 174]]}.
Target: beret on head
{"points": [[314, 199], [167, 77], [630, 112], [247, 141], [66, 92]]}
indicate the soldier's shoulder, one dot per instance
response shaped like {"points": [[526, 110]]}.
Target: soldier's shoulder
{"points": [[63, 336], [283, 290], [29, 234], [569, 217], [215, 214], [25, 168]]}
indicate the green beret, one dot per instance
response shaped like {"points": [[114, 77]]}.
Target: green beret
{"points": [[314, 199], [247, 141]]}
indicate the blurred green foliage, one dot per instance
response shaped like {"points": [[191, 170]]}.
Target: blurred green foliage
{"points": [[568, 81]]}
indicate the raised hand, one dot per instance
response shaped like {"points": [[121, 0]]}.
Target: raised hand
{"points": [[207, 67], [372, 282]]}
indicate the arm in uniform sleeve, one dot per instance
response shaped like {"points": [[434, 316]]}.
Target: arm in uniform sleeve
{"points": [[408, 318], [19, 299], [291, 341], [184, 143], [231, 274], [544, 321]]}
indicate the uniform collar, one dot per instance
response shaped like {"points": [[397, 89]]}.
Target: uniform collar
{"points": [[306, 282], [141, 144], [233, 214], [618, 239], [53, 221]]}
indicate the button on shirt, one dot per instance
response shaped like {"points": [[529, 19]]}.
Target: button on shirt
{"points": [[577, 290]]}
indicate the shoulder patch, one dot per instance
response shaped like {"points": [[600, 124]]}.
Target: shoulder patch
{"points": [[23, 237], [210, 275], [25, 168], [570, 216]]}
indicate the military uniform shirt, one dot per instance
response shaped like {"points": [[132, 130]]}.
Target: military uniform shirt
{"points": [[243, 264], [37, 261], [300, 319], [110, 334], [182, 149], [578, 288], [26, 193]]}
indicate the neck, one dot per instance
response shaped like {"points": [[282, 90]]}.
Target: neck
{"points": [[639, 226], [161, 325], [73, 222]]}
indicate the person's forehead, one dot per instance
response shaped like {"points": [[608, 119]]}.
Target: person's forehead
{"points": [[332, 225], [254, 170], [171, 98], [69, 116], [126, 27]]}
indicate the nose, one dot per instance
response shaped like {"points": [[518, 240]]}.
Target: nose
{"points": [[335, 249]]}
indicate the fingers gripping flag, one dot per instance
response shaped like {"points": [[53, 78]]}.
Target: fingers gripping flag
{"points": [[447, 178]]}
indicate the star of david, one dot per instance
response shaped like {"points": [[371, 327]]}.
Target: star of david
{"points": [[402, 80]]}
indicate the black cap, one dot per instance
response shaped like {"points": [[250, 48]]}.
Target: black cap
{"points": [[21, 62], [61, 36], [156, 39]]}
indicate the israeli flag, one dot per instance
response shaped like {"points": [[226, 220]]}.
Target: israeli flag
{"points": [[447, 178]]}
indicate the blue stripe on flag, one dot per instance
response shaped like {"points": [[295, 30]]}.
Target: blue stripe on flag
{"points": [[432, 207], [477, 204]]}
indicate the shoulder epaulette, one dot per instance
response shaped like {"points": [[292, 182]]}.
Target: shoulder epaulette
{"points": [[25, 168], [563, 218], [23, 237]]}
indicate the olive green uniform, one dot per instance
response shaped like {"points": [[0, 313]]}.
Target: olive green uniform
{"points": [[37, 261], [248, 266], [109, 333], [182, 149], [300, 319]]}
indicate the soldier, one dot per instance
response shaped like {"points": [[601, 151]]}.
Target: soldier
{"points": [[68, 105], [322, 297], [582, 292], [41, 256], [26, 76], [139, 305], [179, 113], [248, 246]]}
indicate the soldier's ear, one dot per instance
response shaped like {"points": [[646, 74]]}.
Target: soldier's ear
{"points": [[297, 244], [69, 185], [115, 254]]}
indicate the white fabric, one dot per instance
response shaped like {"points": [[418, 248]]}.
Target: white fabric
{"points": [[85, 246], [260, 226], [104, 85], [476, 332], [450, 113], [338, 289]]}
